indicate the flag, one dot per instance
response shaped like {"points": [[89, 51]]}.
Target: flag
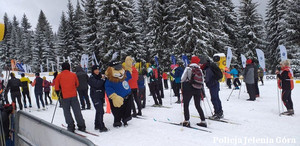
{"points": [[156, 60], [94, 57], [283, 53], [229, 57], [173, 59], [52, 66], [185, 60], [243, 58], [41, 67], [47, 61], [261, 58]]}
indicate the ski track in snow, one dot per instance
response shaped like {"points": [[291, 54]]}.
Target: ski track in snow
{"points": [[258, 119]]}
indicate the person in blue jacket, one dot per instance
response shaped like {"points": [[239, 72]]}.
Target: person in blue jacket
{"points": [[97, 93], [177, 75], [119, 92], [235, 73]]}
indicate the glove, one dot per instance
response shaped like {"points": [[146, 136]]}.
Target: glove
{"points": [[57, 94], [116, 99]]}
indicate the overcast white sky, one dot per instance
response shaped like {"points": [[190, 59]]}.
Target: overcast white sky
{"points": [[54, 8]]}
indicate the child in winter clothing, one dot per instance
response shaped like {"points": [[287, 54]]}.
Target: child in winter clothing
{"points": [[228, 78], [165, 78], [286, 83], [46, 86], [235, 73], [249, 79], [97, 92], [142, 88], [177, 75]]}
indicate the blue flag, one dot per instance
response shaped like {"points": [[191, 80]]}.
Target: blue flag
{"points": [[185, 60], [156, 60], [173, 59]]}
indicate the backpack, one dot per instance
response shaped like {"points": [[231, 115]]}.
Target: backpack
{"points": [[218, 75], [196, 78], [155, 73]]}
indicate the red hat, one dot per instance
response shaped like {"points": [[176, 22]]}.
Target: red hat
{"points": [[249, 61], [195, 59]]}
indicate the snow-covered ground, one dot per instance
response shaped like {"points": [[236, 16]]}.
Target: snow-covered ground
{"points": [[258, 122]]}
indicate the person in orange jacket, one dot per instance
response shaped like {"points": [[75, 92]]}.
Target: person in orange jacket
{"points": [[68, 82], [228, 77], [165, 77], [133, 85]]}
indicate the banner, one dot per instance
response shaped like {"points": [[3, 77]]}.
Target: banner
{"points": [[52, 66], [229, 57], [261, 58], [41, 68], [47, 61], [243, 58], [20, 68], [84, 61], [283, 53], [57, 61], [95, 59]]}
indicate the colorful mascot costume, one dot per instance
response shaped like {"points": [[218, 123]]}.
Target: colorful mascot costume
{"points": [[119, 92], [2, 31]]}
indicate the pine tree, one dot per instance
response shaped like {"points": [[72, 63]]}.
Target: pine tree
{"points": [[191, 29], [252, 29], [27, 41], [62, 37], [116, 32], [293, 35], [5, 45], [15, 40], [43, 43], [89, 30], [275, 25]]}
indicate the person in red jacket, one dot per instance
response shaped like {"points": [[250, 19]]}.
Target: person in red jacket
{"points": [[46, 85], [133, 86], [68, 82], [286, 83], [228, 77], [165, 77]]}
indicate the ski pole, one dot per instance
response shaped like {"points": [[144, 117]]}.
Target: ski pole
{"points": [[281, 100], [170, 92], [230, 94], [55, 109], [208, 105]]}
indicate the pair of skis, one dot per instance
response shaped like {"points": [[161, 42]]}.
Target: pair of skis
{"points": [[79, 134]]}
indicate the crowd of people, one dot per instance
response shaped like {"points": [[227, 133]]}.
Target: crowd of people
{"points": [[124, 85]]}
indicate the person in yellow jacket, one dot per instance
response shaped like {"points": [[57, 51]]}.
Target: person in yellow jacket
{"points": [[25, 89]]}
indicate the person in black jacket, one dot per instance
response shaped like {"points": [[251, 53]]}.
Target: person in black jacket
{"points": [[6, 110], [38, 90], [82, 89], [214, 88], [97, 92], [14, 85]]}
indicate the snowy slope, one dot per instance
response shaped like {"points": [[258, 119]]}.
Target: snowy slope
{"points": [[259, 122]]}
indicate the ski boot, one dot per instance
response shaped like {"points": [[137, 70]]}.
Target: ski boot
{"points": [[202, 124]]}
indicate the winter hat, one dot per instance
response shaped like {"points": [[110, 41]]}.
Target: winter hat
{"points": [[95, 67], [195, 59], [249, 61], [37, 74], [12, 75], [22, 75], [116, 65], [65, 66]]}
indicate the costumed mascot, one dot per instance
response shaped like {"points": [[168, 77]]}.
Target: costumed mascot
{"points": [[119, 92], [2, 31]]}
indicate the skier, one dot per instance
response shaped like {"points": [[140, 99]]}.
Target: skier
{"points": [[6, 111], [133, 85], [214, 88], [177, 75], [142, 88], [165, 78], [97, 92], [38, 90], [261, 74], [14, 86], [235, 73], [160, 83], [83, 88], [67, 82], [153, 75], [192, 83], [249, 79], [228, 78], [287, 85], [59, 98], [46, 85], [25, 89]]}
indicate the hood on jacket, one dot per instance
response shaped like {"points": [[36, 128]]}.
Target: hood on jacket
{"points": [[79, 69]]}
